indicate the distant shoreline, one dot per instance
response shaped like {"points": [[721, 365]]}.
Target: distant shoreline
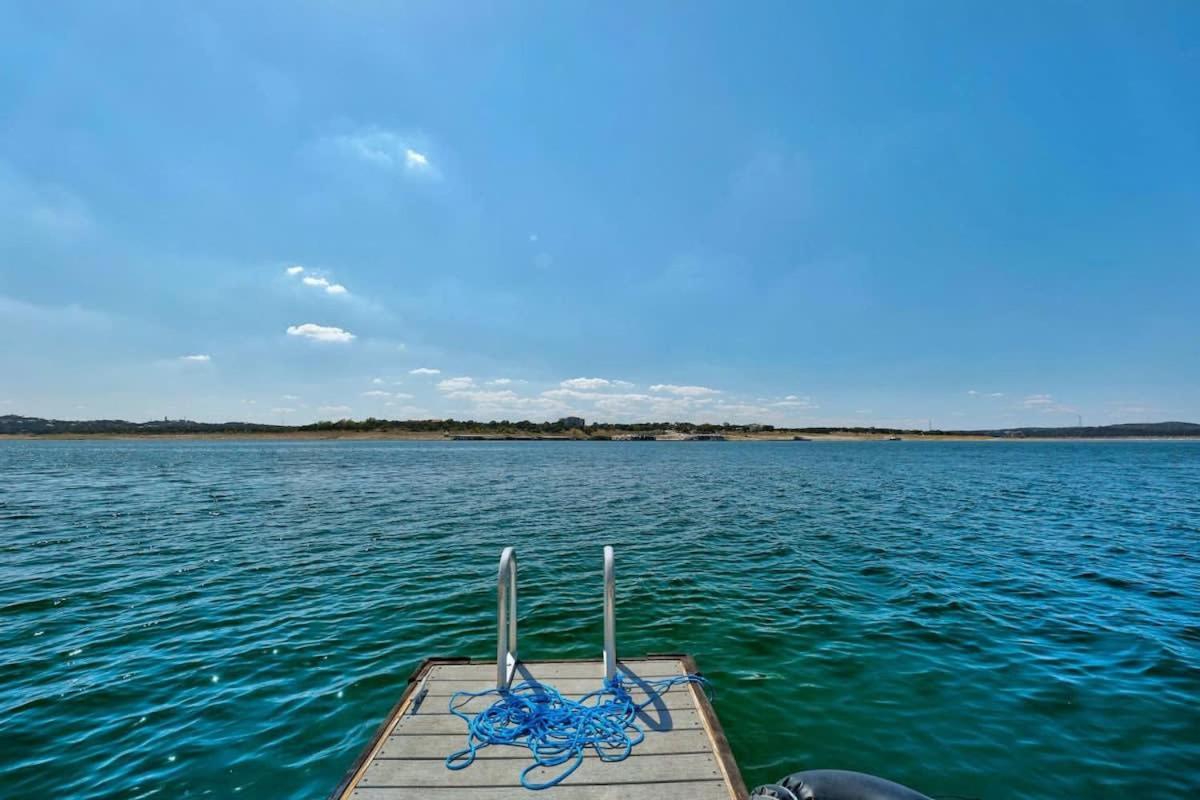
{"points": [[429, 436]]}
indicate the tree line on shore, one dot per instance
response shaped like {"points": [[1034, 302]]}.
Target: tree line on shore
{"points": [[19, 425]]}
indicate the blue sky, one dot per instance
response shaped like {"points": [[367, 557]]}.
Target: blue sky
{"points": [[798, 213]]}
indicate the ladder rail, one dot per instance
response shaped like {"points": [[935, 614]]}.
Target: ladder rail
{"points": [[610, 616], [506, 619]]}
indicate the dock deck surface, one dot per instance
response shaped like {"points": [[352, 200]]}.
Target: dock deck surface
{"points": [[684, 753]]}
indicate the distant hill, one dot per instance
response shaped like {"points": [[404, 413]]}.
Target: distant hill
{"points": [[11, 423], [1105, 431]]}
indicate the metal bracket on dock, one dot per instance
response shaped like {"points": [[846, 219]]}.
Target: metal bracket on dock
{"points": [[610, 617], [506, 619]]}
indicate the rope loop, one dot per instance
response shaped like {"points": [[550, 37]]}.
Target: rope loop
{"points": [[555, 729]]}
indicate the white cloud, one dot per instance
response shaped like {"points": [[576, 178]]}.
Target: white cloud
{"points": [[282, 410], [794, 401], [683, 391], [330, 288], [996, 394], [289, 397], [318, 281], [377, 393], [972, 392], [499, 382], [424, 371], [505, 402], [200, 358], [455, 384], [580, 394], [585, 383], [320, 333], [402, 396], [384, 149], [377, 381]]}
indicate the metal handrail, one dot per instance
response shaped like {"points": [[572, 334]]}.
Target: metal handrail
{"points": [[506, 619], [610, 617]]}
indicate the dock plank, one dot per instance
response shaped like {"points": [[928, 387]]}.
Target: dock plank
{"points": [[678, 697], [572, 687], [426, 773], [652, 719], [438, 746], [692, 790], [683, 753], [550, 671]]}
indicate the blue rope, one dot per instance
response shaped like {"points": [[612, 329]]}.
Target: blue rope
{"points": [[556, 729]]}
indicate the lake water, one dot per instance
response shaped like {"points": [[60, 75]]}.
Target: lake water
{"points": [[992, 620]]}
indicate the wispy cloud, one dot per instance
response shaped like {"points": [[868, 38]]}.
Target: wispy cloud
{"points": [[198, 358], [585, 383], [684, 391], [320, 333], [795, 402], [585, 394], [424, 371], [382, 395], [504, 402], [455, 384], [1046, 403], [289, 397], [317, 281], [334, 409], [385, 149]]}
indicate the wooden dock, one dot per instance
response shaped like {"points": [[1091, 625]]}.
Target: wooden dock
{"points": [[684, 753]]}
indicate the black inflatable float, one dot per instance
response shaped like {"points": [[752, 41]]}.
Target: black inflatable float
{"points": [[835, 784]]}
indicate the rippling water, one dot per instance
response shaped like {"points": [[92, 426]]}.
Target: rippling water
{"points": [[1000, 620]]}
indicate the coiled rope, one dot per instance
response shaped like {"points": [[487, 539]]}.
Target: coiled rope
{"points": [[558, 730]]}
